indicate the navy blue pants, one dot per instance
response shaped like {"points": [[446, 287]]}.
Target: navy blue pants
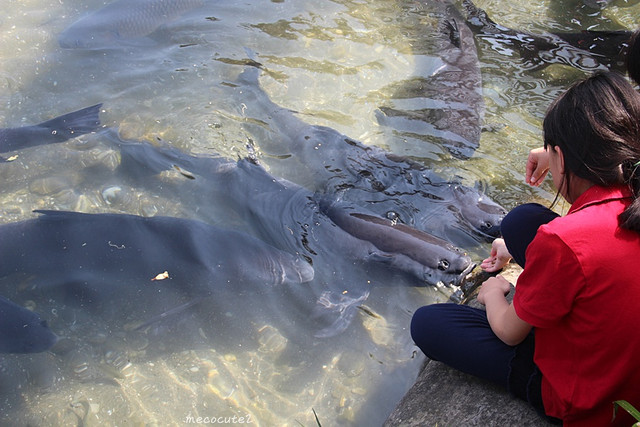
{"points": [[460, 336]]}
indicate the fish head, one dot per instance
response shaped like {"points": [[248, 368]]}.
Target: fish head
{"points": [[297, 270], [478, 210], [431, 259], [23, 331], [455, 262], [449, 269], [454, 279], [452, 265], [36, 338]]}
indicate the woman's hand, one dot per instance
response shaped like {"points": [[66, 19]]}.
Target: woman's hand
{"points": [[537, 166], [499, 257], [501, 315], [493, 287]]}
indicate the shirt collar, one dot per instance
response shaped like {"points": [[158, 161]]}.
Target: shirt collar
{"points": [[597, 194]]}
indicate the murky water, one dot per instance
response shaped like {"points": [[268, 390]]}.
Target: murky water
{"points": [[334, 62]]}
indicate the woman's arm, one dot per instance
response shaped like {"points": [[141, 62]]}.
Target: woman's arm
{"points": [[537, 166], [502, 317]]}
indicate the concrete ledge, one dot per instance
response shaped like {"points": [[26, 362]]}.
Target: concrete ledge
{"points": [[443, 396]]}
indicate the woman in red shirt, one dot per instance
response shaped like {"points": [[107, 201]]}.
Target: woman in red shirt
{"points": [[570, 341]]}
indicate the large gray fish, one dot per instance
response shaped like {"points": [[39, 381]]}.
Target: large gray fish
{"points": [[123, 21], [445, 107], [346, 240], [584, 50], [392, 186], [55, 130], [139, 248], [274, 204], [112, 267], [23, 331]]}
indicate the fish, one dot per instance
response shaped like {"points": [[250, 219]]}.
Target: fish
{"points": [[446, 106], [22, 330], [587, 50], [389, 185], [393, 237], [80, 244], [272, 204], [56, 130], [299, 221], [123, 21], [122, 270]]}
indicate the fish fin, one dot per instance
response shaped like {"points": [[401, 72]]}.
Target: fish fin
{"points": [[477, 18], [453, 32], [252, 55], [142, 158], [58, 214], [74, 124], [341, 307]]}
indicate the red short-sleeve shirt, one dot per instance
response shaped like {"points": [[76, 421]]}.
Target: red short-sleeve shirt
{"points": [[580, 289]]}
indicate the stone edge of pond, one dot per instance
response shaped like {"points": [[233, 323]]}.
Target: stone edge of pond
{"points": [[444, 396]]}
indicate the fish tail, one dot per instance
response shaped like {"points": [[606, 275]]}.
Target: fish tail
{"points": [[74, 124], [477, 18]]}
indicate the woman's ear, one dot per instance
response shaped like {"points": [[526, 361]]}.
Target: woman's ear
{"points": [[560, 158]]}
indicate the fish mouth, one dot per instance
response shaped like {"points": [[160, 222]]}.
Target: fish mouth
{"points": [[452, 289], [458, 278], [450, 280], [468, 270]]}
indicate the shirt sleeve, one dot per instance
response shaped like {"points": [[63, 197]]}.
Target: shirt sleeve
{"points": [[550, 282]]}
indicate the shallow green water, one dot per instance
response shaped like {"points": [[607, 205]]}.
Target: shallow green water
{"points": [[332, 61]]}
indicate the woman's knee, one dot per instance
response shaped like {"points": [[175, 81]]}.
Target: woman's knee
{"points": [[520, 226], [525, 220], [426, 326], [435, 326], [421, 323], [461, 337]]}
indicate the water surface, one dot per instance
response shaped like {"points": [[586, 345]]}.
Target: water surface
{"points": [[335, 63]]}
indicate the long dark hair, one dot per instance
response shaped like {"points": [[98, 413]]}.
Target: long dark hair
{"points": [[596, 124], [633, 57]]}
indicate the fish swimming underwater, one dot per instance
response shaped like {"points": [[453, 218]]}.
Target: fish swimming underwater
{"points": [[357, 247], [143, 247], [586, 50], [123, 21], [282, 214], [23, 331], [446, 106], [391, 186], [52, 131], [132, 270], [275, 204]]}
